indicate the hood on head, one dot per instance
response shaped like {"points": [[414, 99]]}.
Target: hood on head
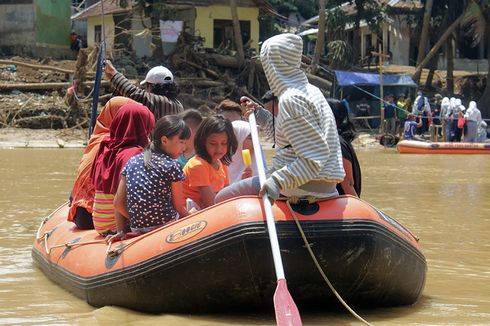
{"points": [[445, 101], [472, 105], [457, 102], [281, 59]]}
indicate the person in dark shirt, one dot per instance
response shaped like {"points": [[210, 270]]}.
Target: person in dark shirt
{"points": [[390, 115], [351, 185]]}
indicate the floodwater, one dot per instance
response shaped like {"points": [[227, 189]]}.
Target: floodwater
{"points": [[443, 199]]}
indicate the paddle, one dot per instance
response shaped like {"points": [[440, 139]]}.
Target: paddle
{"points": [[287, 313]]}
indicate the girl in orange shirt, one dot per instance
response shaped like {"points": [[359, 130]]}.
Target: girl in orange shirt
{"points": [[207, 172]]}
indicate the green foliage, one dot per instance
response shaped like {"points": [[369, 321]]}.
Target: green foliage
{"points": [[335, 21], [339, 54], [476, 17]]}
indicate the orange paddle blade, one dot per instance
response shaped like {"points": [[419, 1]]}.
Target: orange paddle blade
{"points": [[287, 313]]}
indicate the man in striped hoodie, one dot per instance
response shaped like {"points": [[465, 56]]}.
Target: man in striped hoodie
{"points": [[308, 159]]}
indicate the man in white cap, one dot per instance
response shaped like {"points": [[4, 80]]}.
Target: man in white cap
{"points": [[160, 94]]}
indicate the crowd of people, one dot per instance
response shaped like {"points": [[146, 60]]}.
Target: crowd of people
{"points": [[413, 120], [150, 162]]}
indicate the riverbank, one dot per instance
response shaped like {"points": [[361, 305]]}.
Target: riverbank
{"points": [[42, 138], [77, 138]]}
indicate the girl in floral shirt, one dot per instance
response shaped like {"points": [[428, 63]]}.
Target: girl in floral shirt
{"points": [[150, 192]]}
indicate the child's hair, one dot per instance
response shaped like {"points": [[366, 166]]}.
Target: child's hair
{"points": [[212, 125], [345, 127], [169, 90], [192, 116], [169, 126], [229, 105]]}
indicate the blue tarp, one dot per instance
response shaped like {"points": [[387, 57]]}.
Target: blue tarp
{"points": [[350, 78]]}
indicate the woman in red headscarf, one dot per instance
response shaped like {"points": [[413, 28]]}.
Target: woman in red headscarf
{"points": [[83, 190], [129, 132]]}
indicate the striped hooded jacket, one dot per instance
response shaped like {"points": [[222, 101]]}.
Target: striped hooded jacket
{"points": [[307, 143]]}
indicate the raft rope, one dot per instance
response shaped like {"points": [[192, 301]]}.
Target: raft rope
{"points": [[313, 257]]}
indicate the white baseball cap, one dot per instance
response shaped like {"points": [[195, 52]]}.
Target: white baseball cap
{"points": [[158, 75]]}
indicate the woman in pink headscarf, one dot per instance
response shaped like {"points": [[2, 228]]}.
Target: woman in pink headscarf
{"points": [[129, 134], [83, 190]]}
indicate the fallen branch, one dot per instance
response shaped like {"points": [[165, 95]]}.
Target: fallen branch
{"points": [[38, 67], [43, 86]]}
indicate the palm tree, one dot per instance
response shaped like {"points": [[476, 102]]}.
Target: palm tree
{"points": [[477, 14]]}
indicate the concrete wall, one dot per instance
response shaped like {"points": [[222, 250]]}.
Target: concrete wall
{"points": [[399, 41], [16, 28], [205, 17], [37, 28], [480, 65], [109, 30]]}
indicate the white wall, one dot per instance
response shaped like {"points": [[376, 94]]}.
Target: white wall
{"points": [[399, 41]]}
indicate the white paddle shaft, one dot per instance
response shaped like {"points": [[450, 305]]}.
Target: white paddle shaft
{"points": [[271, 225]]}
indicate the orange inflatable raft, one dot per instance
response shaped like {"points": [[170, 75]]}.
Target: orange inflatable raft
{"points": [[420, 147], [219, 259]]}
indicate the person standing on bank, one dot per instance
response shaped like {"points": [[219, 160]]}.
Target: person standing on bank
{"points": [[307, 160], [473, 120], [160, 94]]}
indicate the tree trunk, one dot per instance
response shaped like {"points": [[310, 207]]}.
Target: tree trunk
{"points": [[320, 39], [356, 48], [432, 67], [484, 102], [450, 66], [424, 36], [237, 32], [436, 47]]}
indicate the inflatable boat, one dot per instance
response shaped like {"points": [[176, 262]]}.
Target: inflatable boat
{"points": [[420, 147], [219, 259]]}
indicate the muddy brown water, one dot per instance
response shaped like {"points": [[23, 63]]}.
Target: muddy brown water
{"points": [[443, 199]]}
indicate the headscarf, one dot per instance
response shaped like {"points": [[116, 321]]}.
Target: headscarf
{"points": [[472, 106], [83, 190], [129, 133], [458, 106], [236, 168]]}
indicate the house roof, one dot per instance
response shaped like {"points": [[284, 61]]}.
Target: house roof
{"points": [[110, 7], [392, 6]]}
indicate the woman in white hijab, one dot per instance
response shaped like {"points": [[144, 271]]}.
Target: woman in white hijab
{"points": [[473, 119], [456, 109], [237, 168], [446, 124]]}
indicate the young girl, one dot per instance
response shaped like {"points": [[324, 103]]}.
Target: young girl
{"points": [[192, 119], [129, 133], [150, 192], [207, 172]]}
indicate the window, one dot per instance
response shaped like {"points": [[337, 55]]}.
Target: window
{"points": [[223, 33], [97, 33]]}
